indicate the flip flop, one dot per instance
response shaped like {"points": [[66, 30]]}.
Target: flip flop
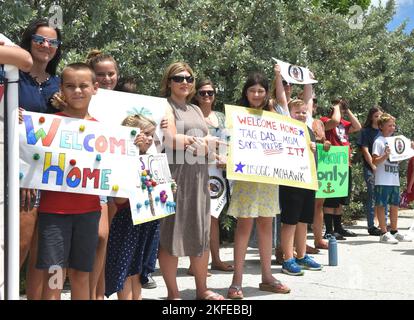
{"points": [[235, 292], [322, 245], [275, 287], [223, 267], [311, 250]]}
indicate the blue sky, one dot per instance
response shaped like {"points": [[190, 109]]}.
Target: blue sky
{"points": [[405, 10]]}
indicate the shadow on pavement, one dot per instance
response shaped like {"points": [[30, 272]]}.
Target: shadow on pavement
{"points": [[405, 252]]}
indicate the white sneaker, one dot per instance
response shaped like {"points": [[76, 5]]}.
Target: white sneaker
{"points": [[388, 238], [402, 237]]}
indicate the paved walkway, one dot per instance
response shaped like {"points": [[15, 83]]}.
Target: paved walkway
{"points": [[367, 270]]}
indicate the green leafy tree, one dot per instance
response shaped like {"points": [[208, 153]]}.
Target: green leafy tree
{"points": [[341, 6], [225, 40]]}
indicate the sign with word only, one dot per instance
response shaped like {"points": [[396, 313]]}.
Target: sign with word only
{"points": [[270, 148], [75, 155], [333, 172]]}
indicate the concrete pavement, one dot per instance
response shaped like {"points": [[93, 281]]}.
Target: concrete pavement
{"points": [[367, 270]]}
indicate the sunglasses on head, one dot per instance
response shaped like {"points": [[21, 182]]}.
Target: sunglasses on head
{"points": [[180, 79], [285, 83], [205, 93], [40, 40]]}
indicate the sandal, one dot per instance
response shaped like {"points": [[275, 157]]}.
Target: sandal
{"points": [[275, 287], [311, 250], [223, 267], [212, 296], [322, 245], [235, 292]]}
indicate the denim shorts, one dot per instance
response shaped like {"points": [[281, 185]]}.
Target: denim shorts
{"points": [[387, 195], [68, 240]]}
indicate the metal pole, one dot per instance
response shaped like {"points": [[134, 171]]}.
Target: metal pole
{"points": [[12, 213]]}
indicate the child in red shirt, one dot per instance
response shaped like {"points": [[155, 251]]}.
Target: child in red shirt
{"points": [[68, 222], [337, 131]]}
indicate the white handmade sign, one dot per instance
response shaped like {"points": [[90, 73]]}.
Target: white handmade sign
{"points": [[73, 155], [294, 74], [400, 148], [270, 148], [112, 107], [154, 198]]}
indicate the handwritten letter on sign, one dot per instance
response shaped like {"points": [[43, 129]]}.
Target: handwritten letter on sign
{"points": [[270, 148], [333, 172], [74, 155]]}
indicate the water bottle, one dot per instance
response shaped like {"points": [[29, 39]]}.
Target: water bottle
{"points": [[333, 251]]}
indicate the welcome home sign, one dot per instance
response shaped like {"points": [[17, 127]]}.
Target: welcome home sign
{"points": [[75, 155]]}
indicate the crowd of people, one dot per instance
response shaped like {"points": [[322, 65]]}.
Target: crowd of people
{"points": [[93, 239]]}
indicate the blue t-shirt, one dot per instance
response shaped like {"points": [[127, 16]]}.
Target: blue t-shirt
{"points": [[34, 96], [366, 138]]}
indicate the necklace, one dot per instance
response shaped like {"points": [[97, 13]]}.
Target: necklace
{"points": [[40, 79]]}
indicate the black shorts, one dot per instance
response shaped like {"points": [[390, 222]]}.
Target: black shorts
{"points": [[335, 202], [68, 240], [297, 205]]}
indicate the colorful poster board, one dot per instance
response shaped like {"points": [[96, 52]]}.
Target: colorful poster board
{"points": [[73, 155], [333, 172], [269, 148], [400, 148], [154, 198]]}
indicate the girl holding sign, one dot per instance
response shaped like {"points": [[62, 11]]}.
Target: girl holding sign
{"points": [[251, 200], [132, 249]]}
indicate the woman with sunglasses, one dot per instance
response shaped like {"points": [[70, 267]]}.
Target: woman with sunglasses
{"points": [[187, 232], [254, 202], [36, 89], [205, 99]]}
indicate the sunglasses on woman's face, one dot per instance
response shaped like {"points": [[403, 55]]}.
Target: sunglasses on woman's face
{"points": [[40, 40], [205, 93], [180, 79]]}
